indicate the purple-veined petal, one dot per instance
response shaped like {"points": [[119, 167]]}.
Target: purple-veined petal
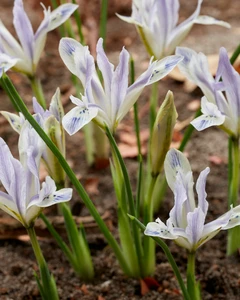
{"points": [[159, 229], [207, 20], [14, 120], [61, 14], [175, 162], [23, 28], [201, 190], [195, 225], [195, 67], [77, 117], [156, 71], [234, 218], [211, 116], [163, 67]]}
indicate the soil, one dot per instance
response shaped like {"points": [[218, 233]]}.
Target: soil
{"points": [[219, 275]]}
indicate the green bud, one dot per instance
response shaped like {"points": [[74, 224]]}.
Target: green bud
{"points": [[162, 133]]}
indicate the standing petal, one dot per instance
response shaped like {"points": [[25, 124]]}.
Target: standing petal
{"points": [[23, 28]]}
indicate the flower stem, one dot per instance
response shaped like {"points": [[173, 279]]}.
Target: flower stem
{"points": [[235, 55], [149, 245], [132, 208], [48, 286], [233, 189], [103, 20], [37, 90], [192, 285], [170, 259], [79, 188]]}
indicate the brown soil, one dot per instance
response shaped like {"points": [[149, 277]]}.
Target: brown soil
{"points": [[218, 274]]}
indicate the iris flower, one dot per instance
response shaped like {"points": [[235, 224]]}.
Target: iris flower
{"points": [[107, 104], [157, 24], [29, 50], [24, 199], [218, 108], [51, 122], [186, 223]]}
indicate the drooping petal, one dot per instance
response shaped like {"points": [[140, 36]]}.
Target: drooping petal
{"points": [[8, 205], [201, 190], [14, 120], [211, 116], [163, 67], [159, 229], [77, 117], [61, 14], [207, 20], [175, 162], [49, 196], [6, 63], [156, 71], [23, 28], [195, 67]]}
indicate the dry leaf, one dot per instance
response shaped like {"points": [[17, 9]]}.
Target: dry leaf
{"points": [[217, 160], [84, 289], [91, 186], [100, 297], [194, 105], [144, 287]]}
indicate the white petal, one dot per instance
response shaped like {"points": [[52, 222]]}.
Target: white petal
{"points": [[56, 107], [175, 161], [207, 20], [159, 229], [61, 14], [76, 118], [164, 67], [211, 116], [14, 120], [201, 190]]}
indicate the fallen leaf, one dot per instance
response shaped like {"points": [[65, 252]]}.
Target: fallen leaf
{"points": [[217, 160], [91, 186], [100, 297], [194, 105], [84, 289], [144, 287]]}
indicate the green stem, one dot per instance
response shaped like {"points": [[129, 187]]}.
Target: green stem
{"points": [[170, 259], [145, 42], [192, 285], [48, 284], [235, 55], [84, 196], [79, 23], [103, 20], [37, 91], [153, 105], [233, 189], [132, 209], [149, 245]]}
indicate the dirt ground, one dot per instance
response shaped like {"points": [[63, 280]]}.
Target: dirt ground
{"points": [[219, 275]]}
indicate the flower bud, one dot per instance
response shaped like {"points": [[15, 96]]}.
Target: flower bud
{"points": [[162, 133]]}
